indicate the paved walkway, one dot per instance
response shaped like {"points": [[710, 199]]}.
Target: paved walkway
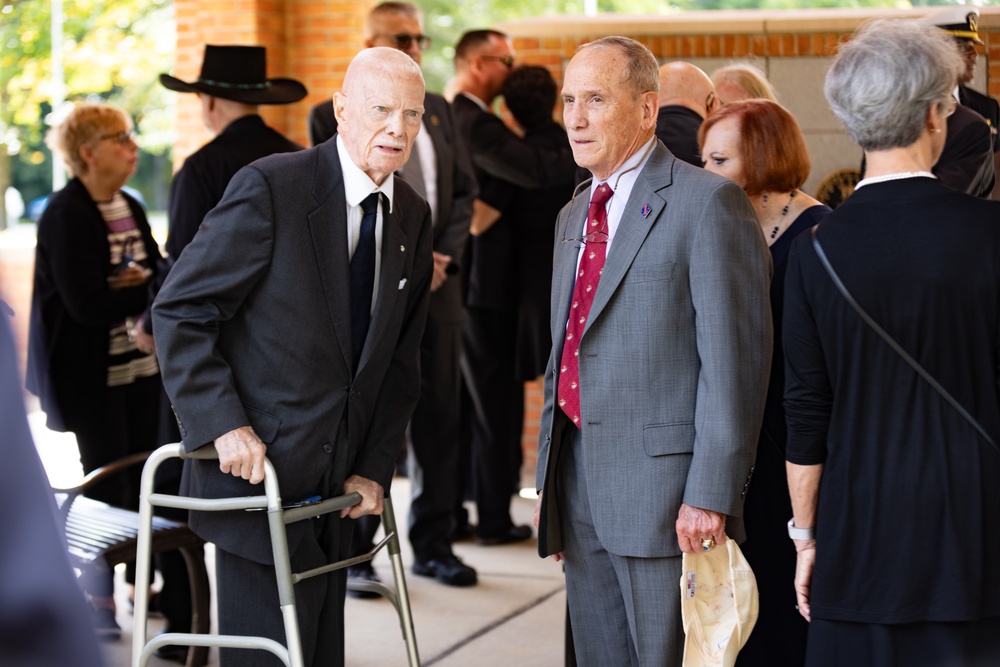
{"points": [[513, 617]]}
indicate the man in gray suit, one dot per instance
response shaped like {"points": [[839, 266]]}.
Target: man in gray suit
{"points": [[291, 327], [661, 332]]}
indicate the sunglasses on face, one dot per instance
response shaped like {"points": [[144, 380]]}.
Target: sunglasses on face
{"points": [[508, 61], [404, 41]]}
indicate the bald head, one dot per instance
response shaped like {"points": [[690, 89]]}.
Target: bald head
{"points": [[382, 62], [682, 84], [379, 109]]}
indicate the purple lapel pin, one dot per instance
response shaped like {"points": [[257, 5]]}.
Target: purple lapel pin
{"points": [[646, 210]]}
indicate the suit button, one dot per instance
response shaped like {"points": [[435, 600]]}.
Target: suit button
{"points": [[328, 448]]}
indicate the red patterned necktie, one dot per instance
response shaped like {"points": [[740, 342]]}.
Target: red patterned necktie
{"points": [[587, 277]]}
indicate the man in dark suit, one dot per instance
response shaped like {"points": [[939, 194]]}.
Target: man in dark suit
{"points": [[687, 96], [961, 22], [291, 327], [654, 390], [483, 59], [966, 163], [439, 170]]}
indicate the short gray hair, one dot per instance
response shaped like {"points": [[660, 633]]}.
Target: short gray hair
{"points": [[642, 70], [885, 79]]}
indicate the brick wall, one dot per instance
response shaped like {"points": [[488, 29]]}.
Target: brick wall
{"points": [[760, 34]]}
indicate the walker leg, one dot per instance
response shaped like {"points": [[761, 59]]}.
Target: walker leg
{"points": [[403, 596]]}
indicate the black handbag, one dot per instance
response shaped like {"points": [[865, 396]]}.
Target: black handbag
{"points": [[894, 345]]}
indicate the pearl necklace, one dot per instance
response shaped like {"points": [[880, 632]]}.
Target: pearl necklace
{"points": [[893, 177]]}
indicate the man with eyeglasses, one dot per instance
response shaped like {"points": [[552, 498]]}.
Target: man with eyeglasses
{"points": [[494, 401], [961, 22], [687, 96], [440, 171]]}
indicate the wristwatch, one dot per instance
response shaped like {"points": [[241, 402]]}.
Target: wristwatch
{"points": [[800, 533]]}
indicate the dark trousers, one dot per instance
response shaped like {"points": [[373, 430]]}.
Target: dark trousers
{"points": [[248, 600], [488, 345], [127, 425], [434, 441]]}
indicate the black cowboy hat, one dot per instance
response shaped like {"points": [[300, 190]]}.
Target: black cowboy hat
{"points": [[238, 73]]}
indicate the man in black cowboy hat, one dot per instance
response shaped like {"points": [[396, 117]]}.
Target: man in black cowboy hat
{"points": [[233, 82], [962, 23]]}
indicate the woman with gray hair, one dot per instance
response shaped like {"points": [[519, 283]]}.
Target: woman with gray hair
{"points": [[892, 348]]}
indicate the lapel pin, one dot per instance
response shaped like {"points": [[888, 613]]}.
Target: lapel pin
{"points": [[646, 210], [402, 248], [435, 121]]}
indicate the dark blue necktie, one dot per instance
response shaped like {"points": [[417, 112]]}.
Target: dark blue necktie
{"points": [[363, 277]]}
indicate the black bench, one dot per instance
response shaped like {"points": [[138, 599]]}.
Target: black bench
{"points": [[101, 536]]}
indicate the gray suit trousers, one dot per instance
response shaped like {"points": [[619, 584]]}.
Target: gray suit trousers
{"points": [[623, 610]]}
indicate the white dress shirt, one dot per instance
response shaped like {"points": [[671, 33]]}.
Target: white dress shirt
{"points": [[357, 186]]}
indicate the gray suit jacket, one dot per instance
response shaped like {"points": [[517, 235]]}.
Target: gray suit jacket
{"points": [[253, 328], [674, 360]]}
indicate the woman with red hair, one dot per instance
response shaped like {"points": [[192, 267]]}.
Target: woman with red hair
{"points": [[759, 145]]}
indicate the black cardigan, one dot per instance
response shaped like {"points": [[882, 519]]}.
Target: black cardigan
{"points": [[72, 307]]}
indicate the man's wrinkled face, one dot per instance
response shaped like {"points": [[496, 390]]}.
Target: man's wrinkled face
{"points": [[378, 119], [606, 120]]}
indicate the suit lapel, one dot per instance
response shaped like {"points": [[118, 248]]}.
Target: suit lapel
{"points": [[328, 229], [633, 227], [564, 279], [442, 152]]}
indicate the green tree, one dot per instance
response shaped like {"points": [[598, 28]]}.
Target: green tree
{"points": [[112, 52]]}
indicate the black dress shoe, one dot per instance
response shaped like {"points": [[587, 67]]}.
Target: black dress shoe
{"points": [[449, 570], [365, 572], [172, 652], [512, 534]]}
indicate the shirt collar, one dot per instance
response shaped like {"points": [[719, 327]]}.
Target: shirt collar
{"points": [[634, 164], [357, 184]]}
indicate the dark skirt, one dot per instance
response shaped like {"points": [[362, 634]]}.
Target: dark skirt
{"points": [[941, 644]]}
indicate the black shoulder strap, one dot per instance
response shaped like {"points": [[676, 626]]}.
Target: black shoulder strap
{"points": [[893, 344]]}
